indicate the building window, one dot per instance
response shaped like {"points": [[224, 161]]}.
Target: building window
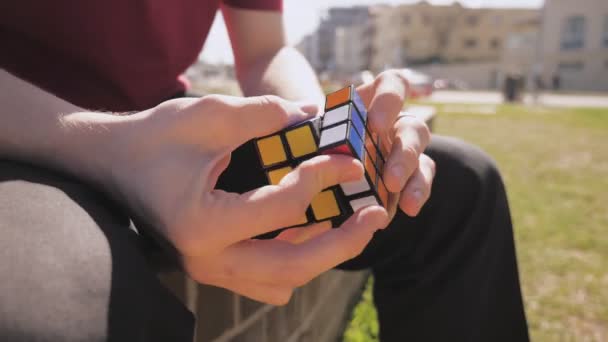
{"points": [[571, 66], [573, 33], [495, 43], [443, 41], [426, 20], [472, 20], [470, 43], [406, 20], [497, 20]]}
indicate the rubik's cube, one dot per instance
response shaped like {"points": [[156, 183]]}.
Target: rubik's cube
{"points": [[342, 129]]}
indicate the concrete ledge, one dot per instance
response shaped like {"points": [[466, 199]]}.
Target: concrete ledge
{"points": [[317, 311]]}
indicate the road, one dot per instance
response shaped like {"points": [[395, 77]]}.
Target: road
{"points": [[494, 97]]}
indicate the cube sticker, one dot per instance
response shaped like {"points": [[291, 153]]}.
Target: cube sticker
{"points": [[301, 141], [337, 98], [358, 123], [333, 135], [335, 116], [325, 206], [271, 150], [275, 176], [383, 193], [355, 187], [370, 168], [363, 202], [358, 102]]}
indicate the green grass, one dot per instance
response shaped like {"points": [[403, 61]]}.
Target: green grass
{"points": [[555, 165]]}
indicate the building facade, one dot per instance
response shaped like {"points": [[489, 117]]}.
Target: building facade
{"points": [[379, 37], [563, 45], [575, 44], [339, 30], [423, 33]]}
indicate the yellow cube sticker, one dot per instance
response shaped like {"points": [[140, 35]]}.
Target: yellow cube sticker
{"points": [[302, 220], [325, 206], [271, 150], [301, 141], [275, 176]]}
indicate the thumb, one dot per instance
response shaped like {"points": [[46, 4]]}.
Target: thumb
{"points": [[253, 117]]}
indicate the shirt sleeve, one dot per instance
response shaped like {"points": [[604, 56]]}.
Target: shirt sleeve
{"points": [[266, 5]]}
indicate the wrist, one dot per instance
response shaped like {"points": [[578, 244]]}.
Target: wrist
{"points": [[88, 146]]}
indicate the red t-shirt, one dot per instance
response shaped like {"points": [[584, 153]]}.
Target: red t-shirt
{"points": [[116, 55]]}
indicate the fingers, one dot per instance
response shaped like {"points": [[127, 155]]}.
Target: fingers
{"points": [[281, 263], [418, 188], [384, 98], [235, 120], [302, 234], [283, 205], [212, 271], [269, 270], [407, 136], [312, 109], [411, 136]]}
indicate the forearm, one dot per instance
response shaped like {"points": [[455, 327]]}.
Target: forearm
{"points": [[286, 74], [41, 129]]}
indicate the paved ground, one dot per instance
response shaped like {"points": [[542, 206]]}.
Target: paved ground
{"points": [[493, 97]]}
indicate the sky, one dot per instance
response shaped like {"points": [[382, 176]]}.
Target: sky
{"points": [[302, 17]]}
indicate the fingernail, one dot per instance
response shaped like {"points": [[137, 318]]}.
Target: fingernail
{"points": [[309, 107]]}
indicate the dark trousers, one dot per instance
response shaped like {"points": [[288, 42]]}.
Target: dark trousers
{"points": [[72, 267]]}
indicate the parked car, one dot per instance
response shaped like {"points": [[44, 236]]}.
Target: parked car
{"points": [[444, 83], [421, 85]]}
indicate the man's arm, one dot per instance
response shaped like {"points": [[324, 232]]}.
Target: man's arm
{"points": [[163, 165], [39, 128], [264, 63]]}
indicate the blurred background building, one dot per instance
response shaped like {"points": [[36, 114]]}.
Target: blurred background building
{"points": [[564, 45], [343, 41], [575, 44]]}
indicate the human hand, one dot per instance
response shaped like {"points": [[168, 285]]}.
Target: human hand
{"points": [[408, 170], [164, 167]]}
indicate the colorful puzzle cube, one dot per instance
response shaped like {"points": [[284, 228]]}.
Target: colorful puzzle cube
{"points": [[342, 129]]}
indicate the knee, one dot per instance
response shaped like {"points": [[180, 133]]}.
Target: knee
{"points": [[464, 167], [476, 161]]}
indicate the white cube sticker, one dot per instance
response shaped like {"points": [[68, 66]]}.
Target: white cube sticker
{"points": [[355, 187], [363, 202], [335, 115], [333, 135]]}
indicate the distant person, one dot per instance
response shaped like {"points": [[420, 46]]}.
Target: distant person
{"points": [[556, 81], [539, 82], [510, 88], [95, 135]]}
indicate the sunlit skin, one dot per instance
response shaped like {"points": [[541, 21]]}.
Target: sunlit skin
{"points": [[162, 164]]}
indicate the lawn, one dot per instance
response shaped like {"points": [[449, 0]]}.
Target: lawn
{"points": [[555, 165]]}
